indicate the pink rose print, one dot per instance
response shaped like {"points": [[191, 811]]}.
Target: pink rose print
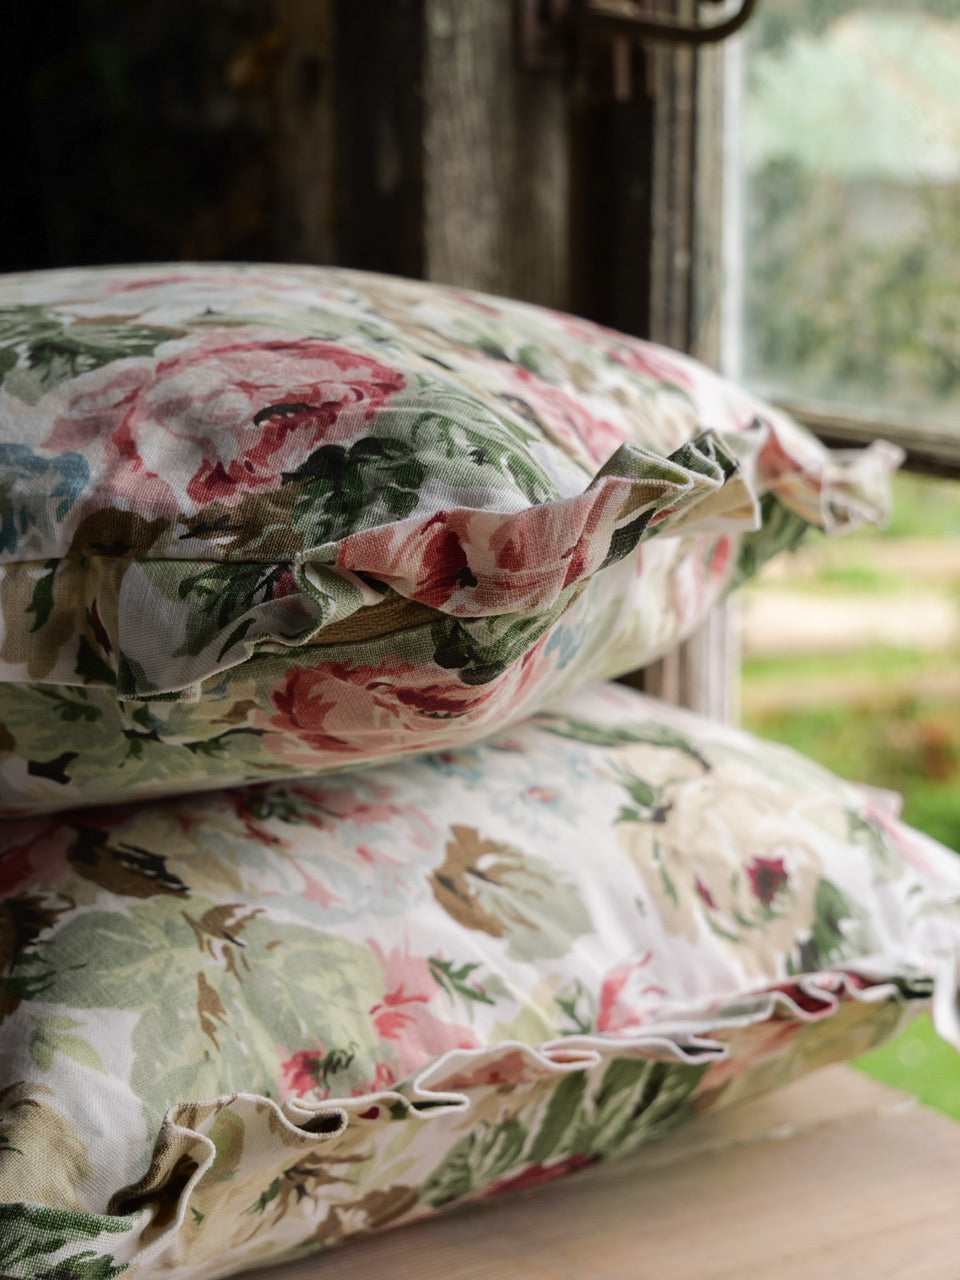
{"points": [[620, 1010], [795, 459], [659, 363], [403, 1020], [263, 403], [479, 563], [392, 708], [311, 1070], [404, 1016], [340, 708], [39, 856], [704, 894], [648, 358], [917, 850], [561, 412]]}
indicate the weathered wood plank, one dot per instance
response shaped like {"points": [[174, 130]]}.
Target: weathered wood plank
{"points": [[303, 124], [685, 308], [495, 158], [702, 674], [379, 132]]}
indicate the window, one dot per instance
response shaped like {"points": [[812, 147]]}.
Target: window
{"points": [[846, 277], [850, 152]]}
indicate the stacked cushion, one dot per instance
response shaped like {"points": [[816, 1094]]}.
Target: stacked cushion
{"points": [[259, 522], [261, 525], [240, 1026]]}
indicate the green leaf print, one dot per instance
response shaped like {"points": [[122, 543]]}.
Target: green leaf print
{"points": [[882, 853], [90, 667], [485, 1154], [581, 1022], [222, 995], [780, 530], [227, 590], [649, 733], [456, 980], [53, 1035], [829, 941], [468, 435], [72, 708], [46, 348], [8, 360], [649, 801], [41, 602], [480, 649], [560, 1119], [337, 484], [531, 357], [636, 1099], [33, 1240], [506, 893]]}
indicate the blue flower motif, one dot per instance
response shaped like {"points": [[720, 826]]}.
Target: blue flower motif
{"points": [[26, 479]]}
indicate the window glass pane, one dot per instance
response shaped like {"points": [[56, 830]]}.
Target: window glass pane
{"points": [[851, 151]]}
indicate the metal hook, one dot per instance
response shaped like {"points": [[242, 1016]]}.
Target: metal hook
{"points": [[624, 19], [549, 28]]}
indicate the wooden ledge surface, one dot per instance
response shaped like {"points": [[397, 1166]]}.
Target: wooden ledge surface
{"points": [[833, 1178]]}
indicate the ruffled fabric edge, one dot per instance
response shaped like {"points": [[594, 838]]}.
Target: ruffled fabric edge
{"points": [[458, 563], [472, 564], [143, 1225]]}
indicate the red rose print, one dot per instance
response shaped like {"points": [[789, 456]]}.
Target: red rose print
{"points": [[768, 877]]}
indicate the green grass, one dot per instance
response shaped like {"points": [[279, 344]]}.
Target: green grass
{"points": [[909, 744], [898, 753], [919, 1062], [881, 663], [851, 574], [923, 508], [887, 716]]}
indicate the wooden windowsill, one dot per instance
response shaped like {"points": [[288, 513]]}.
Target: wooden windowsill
{"points": [[929, 449], [833, 1178]]}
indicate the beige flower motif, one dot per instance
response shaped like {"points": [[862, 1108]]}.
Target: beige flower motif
{"points": [[499, 890], [42, 1157], [725, 855]]}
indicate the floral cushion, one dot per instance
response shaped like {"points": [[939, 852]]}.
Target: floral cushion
{"points": [[259, 521], [242, 1026]]}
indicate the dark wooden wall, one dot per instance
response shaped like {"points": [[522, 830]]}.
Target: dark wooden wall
{"points": [[398, 135], [395, 135]]}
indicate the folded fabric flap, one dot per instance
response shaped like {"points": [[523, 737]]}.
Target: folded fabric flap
{"points": [[477, 563], [856, 489], [832, 489], [222, 1170], [94, 620]]}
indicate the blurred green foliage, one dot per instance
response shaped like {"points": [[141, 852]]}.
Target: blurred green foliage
{"points": [[852, 236], [911, 746], [776, 21], [902, 733], [833, 313]]}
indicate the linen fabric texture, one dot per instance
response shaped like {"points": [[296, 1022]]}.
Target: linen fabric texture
{"points": [[262, 521], [241, 1026]]}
